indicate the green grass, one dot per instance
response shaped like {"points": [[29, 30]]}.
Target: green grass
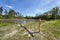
{"points": [[53, 27], [50, 30], [5, 24]]}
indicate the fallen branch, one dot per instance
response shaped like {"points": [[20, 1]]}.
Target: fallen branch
{"points": [[27, 30], [31, 33]]}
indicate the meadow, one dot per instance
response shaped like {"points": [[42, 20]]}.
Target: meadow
{"points": [[49, 30]]}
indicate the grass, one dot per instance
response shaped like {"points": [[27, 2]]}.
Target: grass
{"points": [[49, 30], [5, 24], [53, 28]]}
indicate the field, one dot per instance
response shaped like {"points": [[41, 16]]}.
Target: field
{"points": [[49, 30]]}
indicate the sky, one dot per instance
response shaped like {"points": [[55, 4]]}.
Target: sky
{"points": [[30, 7]]}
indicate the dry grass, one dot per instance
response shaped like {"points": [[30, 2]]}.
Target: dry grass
{"points": [[50, 30]]}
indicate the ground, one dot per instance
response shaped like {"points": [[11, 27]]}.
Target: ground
{"points": [[49, 30]]}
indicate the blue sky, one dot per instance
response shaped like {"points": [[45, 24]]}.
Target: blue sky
{"points": [[29, 7]]}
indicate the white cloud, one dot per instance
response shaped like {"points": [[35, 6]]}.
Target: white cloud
{"points": [[33, 12], [39, 11], [11, 7], [46, 2]]}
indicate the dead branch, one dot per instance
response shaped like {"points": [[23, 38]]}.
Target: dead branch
{"points": [[31, 33]]}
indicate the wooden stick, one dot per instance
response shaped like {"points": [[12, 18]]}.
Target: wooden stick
{"points": [[31, 33], [27, 30]]}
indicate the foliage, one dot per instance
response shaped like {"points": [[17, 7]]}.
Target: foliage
{"points": [[1, 10], [9, 14], [54, 13], [49, 15]]}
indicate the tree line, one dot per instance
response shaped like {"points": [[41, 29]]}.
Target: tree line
{"points": [[9, 14], [52, 14]]}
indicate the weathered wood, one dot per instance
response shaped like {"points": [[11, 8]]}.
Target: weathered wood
{"points": [[27, 30], [31, 33]]}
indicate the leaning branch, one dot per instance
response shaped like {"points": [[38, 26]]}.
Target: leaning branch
{"points": [[27, 30], [31, 33]]}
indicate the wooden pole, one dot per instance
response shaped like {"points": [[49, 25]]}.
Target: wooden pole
{"points": [[40, 27], [39, 24]]}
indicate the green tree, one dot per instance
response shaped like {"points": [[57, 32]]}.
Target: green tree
{"points": [[46, 15], [1, 10], [54, 12], [11, 13], [38, 16], [59, 14], [6, 14], [19, 15]]}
